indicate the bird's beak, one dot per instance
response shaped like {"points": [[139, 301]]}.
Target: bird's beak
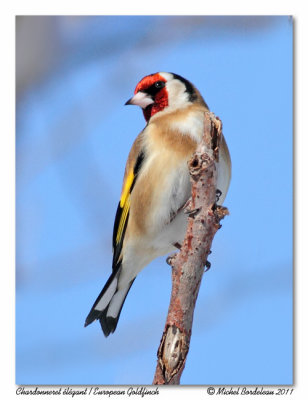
{"points": [[141, 99]]}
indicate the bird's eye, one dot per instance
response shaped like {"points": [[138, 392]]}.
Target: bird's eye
{"points": [[159, 84]]}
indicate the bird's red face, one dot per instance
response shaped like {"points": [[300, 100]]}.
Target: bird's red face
{"points": [[151, 95]]}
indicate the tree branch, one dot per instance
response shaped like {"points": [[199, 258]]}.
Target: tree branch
{"points": [[188, 265]]}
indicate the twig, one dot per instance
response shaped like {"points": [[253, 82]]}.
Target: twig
{"points": [[188, 264]]}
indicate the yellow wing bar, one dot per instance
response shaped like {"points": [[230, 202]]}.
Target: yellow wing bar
{"points": [[122, 214], [124, 205], [127, 186], [123, 218]]}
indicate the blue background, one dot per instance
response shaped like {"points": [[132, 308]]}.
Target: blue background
{"points": [[73, 136]]}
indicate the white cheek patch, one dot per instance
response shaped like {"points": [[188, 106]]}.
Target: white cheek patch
{"points": [[178, 97]]}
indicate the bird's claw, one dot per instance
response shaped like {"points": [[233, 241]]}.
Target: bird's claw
{"points": [[207, 265], [192, 213], [188, 210], [171, 258], [186, 206], [218, 194]]}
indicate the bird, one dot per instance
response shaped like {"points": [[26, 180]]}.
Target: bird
{"points": [[150, 220]]}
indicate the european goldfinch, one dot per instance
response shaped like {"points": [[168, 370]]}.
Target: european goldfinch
{"points": [[150, 219]]}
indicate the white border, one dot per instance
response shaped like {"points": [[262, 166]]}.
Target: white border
{"points": [[7, 156]]}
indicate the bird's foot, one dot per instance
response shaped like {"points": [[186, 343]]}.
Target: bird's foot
{"points": [[171, 258], [207, 266], [188, 210], [187, 206], [218, 194], [193, 213]]}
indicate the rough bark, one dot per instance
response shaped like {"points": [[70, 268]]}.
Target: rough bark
{"points": [[188, 265]]}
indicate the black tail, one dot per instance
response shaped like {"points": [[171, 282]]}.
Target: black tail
{"points": [[108, 306]]}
